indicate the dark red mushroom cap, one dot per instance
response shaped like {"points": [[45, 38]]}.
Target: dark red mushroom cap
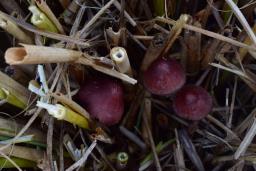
{"points": [[164, 76], [103, 98], [192, 103]]}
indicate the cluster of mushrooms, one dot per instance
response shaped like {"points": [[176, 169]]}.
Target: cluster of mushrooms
{"points": [[103, 96]]}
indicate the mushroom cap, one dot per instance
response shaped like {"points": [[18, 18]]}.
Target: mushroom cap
{"points": [[192, 102], [164, 77], [103, 98]]}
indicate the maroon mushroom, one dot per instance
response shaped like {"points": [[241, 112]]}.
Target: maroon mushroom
{"points": [[103, 98], [192, 102], [164, 77]]}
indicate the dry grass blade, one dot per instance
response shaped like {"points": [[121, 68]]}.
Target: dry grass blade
{"points": [[15, 88], [83, 158], [242, 20], [10, 160], [190, 149], [178, 154], [161, 50], [209, 33], [246, 141], [151, 140], [56, 36], [24, 152], [95, 18], [107, 71], [235, 71], [222, 126], [23, 130]]}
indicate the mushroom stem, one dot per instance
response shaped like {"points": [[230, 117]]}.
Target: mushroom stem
{"points": [[120, 57]]}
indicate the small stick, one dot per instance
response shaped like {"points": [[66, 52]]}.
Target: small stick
{"points": [[120, 57]]}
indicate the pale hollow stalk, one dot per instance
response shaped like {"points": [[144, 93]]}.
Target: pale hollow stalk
{"points": [[14, 30], [65, 100], [30, 54], [24, 152], [120, 57], [42, 5], [15, 88], [63, 113]]}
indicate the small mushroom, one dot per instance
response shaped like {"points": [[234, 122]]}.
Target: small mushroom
{"points": [[103, 98], [192, 102], [164, 77]]}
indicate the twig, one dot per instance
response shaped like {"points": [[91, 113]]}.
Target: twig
{"points": [[83, 158]]}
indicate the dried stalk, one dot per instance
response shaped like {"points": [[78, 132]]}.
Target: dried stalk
{"points": [[158, 52], [151, 140], [20, 92], [246, 141], [9, 128], [73, 105], [107, 71], [209, 34], [30, 54], [10, 27], [42, 5], [128, 17], [242, 20], [56, 36], [24, 152], [83, 158], [95, 18], [120, 57], [178, 154], [41, 54]]}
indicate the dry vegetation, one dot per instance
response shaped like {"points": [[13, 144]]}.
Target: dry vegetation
{"points": [[52, 49]]}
